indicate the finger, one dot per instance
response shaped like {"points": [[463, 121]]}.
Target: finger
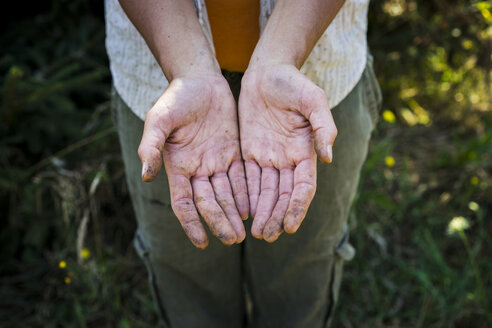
{"points": [[267, 200], [275, 225], [237, 179], [302, 195], [253, 176], [315, 108], [156, 131], [184, 208], [211, 211], [223, 195]]}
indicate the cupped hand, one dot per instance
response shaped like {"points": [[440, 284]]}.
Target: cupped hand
{"points": [[193, 128], [283, 117]]}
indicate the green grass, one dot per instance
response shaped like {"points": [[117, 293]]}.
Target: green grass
{"points": [[409, 272], [62, 184]]}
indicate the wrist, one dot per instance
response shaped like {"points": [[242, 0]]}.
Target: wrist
{"points": [[266, 68], [267, 55], [200, 87], [191, 66]]}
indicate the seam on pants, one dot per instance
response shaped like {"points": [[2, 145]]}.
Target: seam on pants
{"points": [[331, 296], [144, 252]]}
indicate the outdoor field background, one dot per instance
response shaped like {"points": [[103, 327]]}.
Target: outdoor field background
{"points": [[421, 222]]}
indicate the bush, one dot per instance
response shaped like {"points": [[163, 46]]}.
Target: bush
{"points": [[66, 236]]}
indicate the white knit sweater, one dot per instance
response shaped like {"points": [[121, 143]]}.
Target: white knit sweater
{"points": [[335, 64]]}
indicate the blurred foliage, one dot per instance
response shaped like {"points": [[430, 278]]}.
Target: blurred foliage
{"points": [[58, 154], [54, 92], [430, 161], [434, 58], [67, 220]]}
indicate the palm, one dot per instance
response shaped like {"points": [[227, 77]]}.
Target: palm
{"points": [[194, 125], [277, 136], [206, 126], [275, 109]]}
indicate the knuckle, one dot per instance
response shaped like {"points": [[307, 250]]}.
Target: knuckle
{"points": [[183, 206], [318, 93], [318, 99], [269, 190], [201, 201], [241, 195], [308, 188], [237, 182], [220, 175], [298, 203], [284, 195], [335, 132], [155, 113], [314, 94], [151, 116], [140, 152], [225, 201]]}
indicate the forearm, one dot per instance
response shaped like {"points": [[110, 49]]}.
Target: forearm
{"points": [[173, 33], [293, 29]]}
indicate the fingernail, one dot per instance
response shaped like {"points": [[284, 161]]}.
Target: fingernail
{"points": [[146, 171], [329, 152]]}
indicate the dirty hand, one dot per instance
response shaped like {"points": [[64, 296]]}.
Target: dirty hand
{"points": [[193, 128], [282, 116]]}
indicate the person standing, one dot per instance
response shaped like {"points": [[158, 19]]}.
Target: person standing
{"points": [[238, 99]]}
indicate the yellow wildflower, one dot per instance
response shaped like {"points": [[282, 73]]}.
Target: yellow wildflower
{"points": [[467, 44], [474, 180], [457, 224], [389, 161], [68, 280], [62, 264], [484, 7], [388, 116], [85, 253]]}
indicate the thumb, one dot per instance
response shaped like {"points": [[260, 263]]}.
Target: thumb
{"points": [[315, 108], [156, 131]]}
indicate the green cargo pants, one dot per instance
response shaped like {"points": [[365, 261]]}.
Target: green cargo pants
{"points": [[293, 282]]}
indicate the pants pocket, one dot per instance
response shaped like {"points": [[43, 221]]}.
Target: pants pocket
{"points": [[344, 251], [143, 251], [373, 95]]}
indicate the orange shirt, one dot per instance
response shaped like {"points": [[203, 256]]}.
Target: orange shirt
{"points": [[235, 30]]}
